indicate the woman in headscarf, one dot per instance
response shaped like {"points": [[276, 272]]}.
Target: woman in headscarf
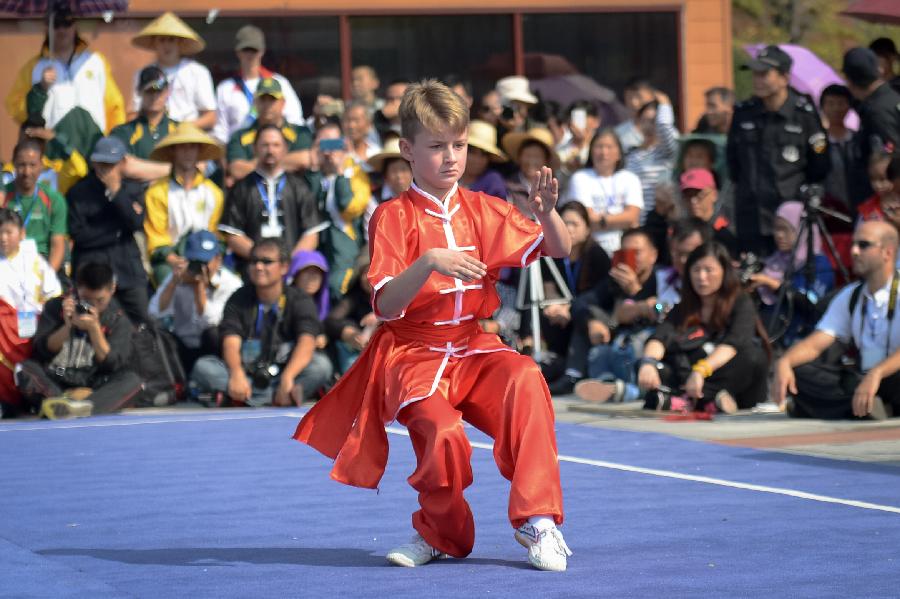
{"points": [[308, 272]]}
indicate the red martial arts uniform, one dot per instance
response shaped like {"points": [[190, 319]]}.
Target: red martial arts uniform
{"points": [[433, 366]]}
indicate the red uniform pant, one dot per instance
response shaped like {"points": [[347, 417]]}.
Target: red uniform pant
{"points": [[504, 395]]}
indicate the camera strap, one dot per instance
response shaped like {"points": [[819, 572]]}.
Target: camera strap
{"points": [[267, 341], [892, 309]]}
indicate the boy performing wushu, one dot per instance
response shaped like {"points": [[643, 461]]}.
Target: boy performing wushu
{"points": [[436, 251]]}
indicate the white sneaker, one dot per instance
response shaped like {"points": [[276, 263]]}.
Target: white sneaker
{"points": [[547, 550], [415, 553]]}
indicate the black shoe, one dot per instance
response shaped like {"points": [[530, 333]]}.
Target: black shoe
{"points": [[564, 385]]}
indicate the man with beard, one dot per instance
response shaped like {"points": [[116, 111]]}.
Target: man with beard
{"points": [[862, 315]]}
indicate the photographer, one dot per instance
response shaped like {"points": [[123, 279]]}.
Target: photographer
{"points": [[194, 297], [82, 348], [268, 336], [863, 316]]}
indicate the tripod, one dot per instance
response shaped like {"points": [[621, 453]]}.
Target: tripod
{"points": [[530, 295], [811, 222]]}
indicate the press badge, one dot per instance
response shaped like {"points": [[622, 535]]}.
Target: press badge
{"points": [[270, 230], [26, 320]]}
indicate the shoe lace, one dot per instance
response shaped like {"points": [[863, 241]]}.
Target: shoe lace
{"points": [[422, 546], [559, 543]]}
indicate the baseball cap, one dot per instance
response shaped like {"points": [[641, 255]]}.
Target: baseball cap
{"points": [[697, 178], [202, 246], [250, 36], [861, 66], [770, 57], [152, 78], [269, 87], [108, 150]]}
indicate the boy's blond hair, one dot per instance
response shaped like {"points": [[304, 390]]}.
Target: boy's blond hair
{"points": [[431, 105]]}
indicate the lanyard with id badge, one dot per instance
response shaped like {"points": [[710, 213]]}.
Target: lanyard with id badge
{"points": [[252, 349], [271, 228]]}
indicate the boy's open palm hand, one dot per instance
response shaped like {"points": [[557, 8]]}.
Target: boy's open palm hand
{"points": [[544, 191], [456, 264]]}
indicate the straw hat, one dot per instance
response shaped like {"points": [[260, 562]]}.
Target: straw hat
{"points": [[513, 142], [391, 150], [187, 133], [483, 135], [169, 24]]}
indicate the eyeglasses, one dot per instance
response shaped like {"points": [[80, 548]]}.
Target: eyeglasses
{"points": [[863, 244], [263, 261]]}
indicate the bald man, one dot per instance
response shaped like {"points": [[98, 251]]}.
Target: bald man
{"points": [[862, 316]]}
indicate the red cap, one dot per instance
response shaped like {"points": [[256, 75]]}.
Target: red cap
{"points": [[697, 178]]}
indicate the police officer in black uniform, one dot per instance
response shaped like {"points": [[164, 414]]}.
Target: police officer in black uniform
{"points": [[775, 145], [878, 104]]}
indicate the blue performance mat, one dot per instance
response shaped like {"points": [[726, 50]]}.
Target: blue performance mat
{"points": [[225, 504]]}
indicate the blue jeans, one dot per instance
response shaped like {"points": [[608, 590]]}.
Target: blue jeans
{"points": [[210, 375]]}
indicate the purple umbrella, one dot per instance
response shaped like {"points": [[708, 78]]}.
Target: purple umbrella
{"points": [[76, 8], [809, 74], [566, 89]]}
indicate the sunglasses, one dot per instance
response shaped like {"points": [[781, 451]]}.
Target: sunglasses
{"points": [[863, 244], [263, 261]]}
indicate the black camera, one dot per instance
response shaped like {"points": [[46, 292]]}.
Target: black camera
{"points": [[508, 113], [82, 307], [263, 374], [195, 267], [750, 265]]}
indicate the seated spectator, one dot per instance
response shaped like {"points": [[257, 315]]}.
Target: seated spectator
{"points": [[184, 202], [583, 121], [351, 322], [517, 102], [234, 95], [270, 202], [26, 283], [141, 134], [719, 108], [612, 195], [791, 257], [191, 300], [362, 139], [530, 150], [489, 108], [269, 103], [268, 334], [192, 98], [483, 152], [711, 351], [701, 200], [43, 210], [862, 315], [82, 352], [637, 93], [343, 193], [396, 174], [309, 272], [652, 161], [881, 182], [387, 118], [584, 269], [685, 235], [105, 211], [62, 166]]}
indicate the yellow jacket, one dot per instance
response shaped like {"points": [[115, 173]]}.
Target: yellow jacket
{"points": [[173, 212]]}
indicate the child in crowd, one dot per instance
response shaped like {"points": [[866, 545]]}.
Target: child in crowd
{"points": [[435, 254]]}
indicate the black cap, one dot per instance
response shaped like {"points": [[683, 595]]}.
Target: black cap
{"points": [[770, 57], [861, 66], [62, 14], [152, 78]]}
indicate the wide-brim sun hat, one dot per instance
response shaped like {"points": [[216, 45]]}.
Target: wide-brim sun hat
{"points": [[515, 88], [512, 142], [483, 135], [168, 24], [390, 150], [187, 133]]}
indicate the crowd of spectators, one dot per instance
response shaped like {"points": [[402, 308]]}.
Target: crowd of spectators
{"points": [[235, 221]]}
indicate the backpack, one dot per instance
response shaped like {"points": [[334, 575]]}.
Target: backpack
{"points": [[163, 381]]}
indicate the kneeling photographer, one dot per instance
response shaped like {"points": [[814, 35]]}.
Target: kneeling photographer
{"points": [[268, 334], [81, 351]]}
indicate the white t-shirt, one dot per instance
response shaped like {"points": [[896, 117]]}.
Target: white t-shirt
{"points": [[867, 326], [26, 280], [233, 111], [606, 195], [191, 91]]}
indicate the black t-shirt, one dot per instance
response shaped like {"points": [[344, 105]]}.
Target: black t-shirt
{"points": [[739, 332], [609, 293], [300, 316]]}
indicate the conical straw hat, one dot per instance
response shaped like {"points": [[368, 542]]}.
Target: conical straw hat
{"points": [[483, 135], [169, 24], [187, 133]]}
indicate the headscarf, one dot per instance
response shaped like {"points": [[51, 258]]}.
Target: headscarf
{"points": [[303, 259], [778, 263]]}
